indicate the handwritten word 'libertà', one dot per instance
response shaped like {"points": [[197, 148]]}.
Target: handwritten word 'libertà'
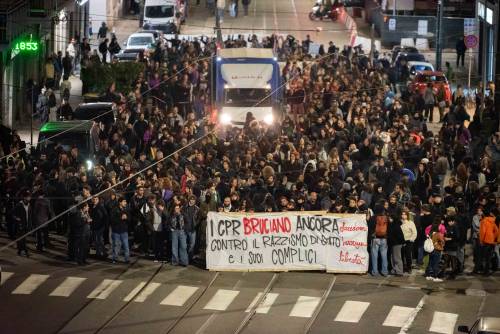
{"points": [[344, 256]]}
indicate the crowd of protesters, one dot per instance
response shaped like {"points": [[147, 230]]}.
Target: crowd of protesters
{"points": [[352, 140]]}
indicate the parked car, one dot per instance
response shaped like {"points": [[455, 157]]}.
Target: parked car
{"points": [[397, 49], [419, 66], [437, 79], [140, 41], [409, 56], [166, 28], [127, 55], [485, 325], [100, 111]]}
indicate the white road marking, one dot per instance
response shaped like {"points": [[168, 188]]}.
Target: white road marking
{"points": [[254, 301], [30, 284], [5, 276], [148, 290], [413, 315], [443, 322], [305, 306], [398, 316], [66, 288], [104, 289], [179, 296], [352, 311], [221, 300], [266, 304], [134, 292]]}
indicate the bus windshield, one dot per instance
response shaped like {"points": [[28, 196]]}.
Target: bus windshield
{"points": [[247, 97]]}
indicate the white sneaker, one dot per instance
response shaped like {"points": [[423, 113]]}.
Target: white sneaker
{"points": [[429, 278], [437, 280]]}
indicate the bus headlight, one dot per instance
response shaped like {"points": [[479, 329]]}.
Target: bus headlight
{"points": [[225, 119], [269, 119], [89, 164]]}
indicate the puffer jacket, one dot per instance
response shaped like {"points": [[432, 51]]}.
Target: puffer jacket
{"points": [[488, 231]]}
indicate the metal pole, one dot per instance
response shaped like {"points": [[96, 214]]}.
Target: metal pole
{"points": [[32, 111], [439, 21], [470, 68], [217, 25]]}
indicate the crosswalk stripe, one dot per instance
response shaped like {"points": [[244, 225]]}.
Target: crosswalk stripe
{"points": [[351, 311], [443, 322], [150, 288], [254, 301], [179, 295], [5, 276], [104, 289], [398, 316], [305, 306], [66, 288], [221, 300], [266, 304], [134, 292], [30, 284]]}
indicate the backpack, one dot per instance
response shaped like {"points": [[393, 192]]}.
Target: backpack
{"points": [[381, 227], [428, 245]]}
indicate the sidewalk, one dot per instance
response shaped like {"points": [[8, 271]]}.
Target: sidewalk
{"points": [[75, 99]]}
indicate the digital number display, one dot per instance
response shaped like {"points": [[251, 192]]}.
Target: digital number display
{"points": [[26, 46]]}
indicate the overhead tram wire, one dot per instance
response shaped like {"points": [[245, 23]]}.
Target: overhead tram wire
{"points": [[75, 206], [92, 119]]}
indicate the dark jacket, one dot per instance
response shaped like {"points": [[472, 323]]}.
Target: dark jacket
{"points": [[453, 233], [22, 221], [395, 234], [42, 211], [99, 216], [177, 222], [191, 217], [118, 224]]}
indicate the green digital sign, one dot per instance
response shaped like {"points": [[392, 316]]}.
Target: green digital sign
{"points": [[26, 46]]}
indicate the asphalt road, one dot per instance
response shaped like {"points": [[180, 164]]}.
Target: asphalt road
{"points": [[44, 294]]}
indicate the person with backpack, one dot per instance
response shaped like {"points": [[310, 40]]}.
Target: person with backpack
{"points": [[378, 230], [436, 233], [114, 48]]}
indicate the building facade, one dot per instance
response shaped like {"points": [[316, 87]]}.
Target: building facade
{"points": [[49, 24]]}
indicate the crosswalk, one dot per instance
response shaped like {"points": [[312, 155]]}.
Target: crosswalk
{"points": [[220, 300]]}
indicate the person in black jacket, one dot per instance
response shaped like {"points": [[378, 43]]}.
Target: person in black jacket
{"points": [[99, 217], [81, 222], [22, 220], [396, 239], [103, 49], [451, 237], [460, 48], [119, 230]]}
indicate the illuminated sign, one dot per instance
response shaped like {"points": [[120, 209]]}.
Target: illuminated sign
{"points": [[26, 46]]}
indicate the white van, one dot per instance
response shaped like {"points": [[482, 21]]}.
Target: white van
{"points": [[163, 12]]}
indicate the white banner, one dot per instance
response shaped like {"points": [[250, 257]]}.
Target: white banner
{"points": [[282, 241]]}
